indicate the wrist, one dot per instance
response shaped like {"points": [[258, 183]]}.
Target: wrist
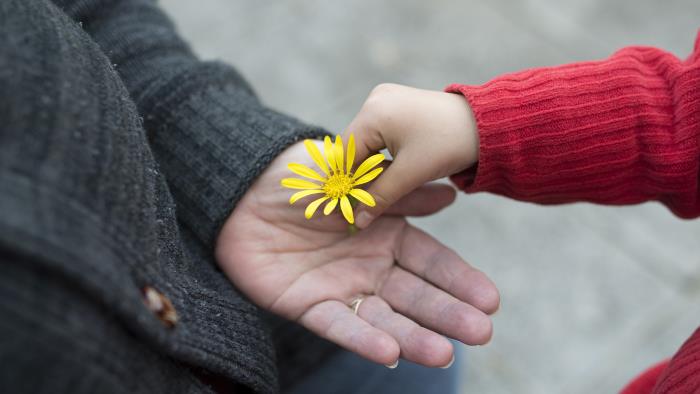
{"points": [[464, 130], [472, 136]]}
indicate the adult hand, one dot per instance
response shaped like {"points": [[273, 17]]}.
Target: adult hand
{"points": [[416, 290]]}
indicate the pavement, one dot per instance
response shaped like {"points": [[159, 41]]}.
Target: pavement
{"points": [[591, 295]]}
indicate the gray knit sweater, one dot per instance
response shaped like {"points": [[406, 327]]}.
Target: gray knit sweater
{"points": [[120, 156]]}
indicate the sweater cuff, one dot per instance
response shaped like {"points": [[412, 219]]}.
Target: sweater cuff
{"points": [[212, 140], [545, 152], [500, 148]]}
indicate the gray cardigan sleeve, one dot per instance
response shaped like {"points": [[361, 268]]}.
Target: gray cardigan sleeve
{"points": [[209, 133]]}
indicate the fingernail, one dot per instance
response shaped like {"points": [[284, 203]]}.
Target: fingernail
{"points": [[392, 366], [363, 219], [450, 363]]}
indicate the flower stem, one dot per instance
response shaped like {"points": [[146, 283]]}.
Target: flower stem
{"points": [[352, 229]]}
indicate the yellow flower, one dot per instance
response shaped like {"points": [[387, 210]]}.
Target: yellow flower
{"points": [[339, 181]]}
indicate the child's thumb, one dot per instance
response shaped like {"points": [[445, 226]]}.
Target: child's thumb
{"points": [[399, 178]]}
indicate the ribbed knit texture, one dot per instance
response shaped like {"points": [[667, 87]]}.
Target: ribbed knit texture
{"points": [[210, 134], [619, 131], [682, 376], [120, 156], [645, 382], [623, 130]]}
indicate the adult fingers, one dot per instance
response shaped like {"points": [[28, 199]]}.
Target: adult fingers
{"points": [[418, 344], [435, 309], [337, 323], [424, 256]]}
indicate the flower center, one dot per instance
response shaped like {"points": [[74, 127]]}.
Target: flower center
{"points": [[338, 185]]}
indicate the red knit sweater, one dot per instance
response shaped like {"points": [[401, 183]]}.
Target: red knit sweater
{"points": [[623, 130]]}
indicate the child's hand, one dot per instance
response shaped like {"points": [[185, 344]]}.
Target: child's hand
{"points": [[430, 134]]}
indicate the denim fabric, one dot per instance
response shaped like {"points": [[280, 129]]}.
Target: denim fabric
{"points": [[347, 373]]}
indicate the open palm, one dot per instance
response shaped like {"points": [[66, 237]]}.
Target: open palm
{"points": [[416, 290]]}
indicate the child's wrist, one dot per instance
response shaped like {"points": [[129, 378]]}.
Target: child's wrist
{"points": [[473, 136], [466, 135]]}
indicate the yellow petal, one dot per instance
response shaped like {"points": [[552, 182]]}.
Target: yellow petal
{"points": [[363, 197], [347, 209], [296, 183], [311, 208], [338, 153], [316, 155], [368, 164], [328, 149], [303, 170], [350, 157], [369, 176], [298, 195], [330, 206]]}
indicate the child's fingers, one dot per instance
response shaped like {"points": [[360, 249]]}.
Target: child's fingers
{"points": [[426, 200], [400, 178]]}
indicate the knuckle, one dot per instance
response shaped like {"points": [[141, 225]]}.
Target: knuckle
{"points": [[379, 112], [382, 201], [379, 99], [384, 89]]}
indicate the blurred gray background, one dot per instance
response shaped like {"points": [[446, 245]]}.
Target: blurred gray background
{"points": [[591, 295]]}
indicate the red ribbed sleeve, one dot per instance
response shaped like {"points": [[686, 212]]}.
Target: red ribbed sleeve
{"points": [[682, 376], [623, 130]]}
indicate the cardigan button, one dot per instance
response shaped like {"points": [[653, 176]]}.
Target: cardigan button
{"points": [[160, 305]]}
